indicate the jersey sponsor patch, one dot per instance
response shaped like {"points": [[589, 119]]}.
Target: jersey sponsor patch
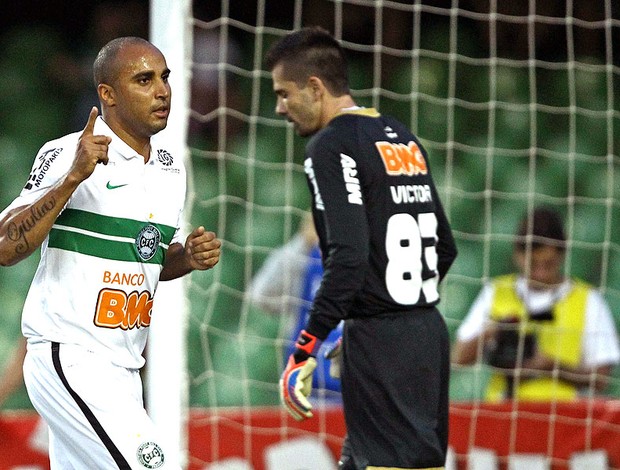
{"points": [[401, 159], [126, 279], [150, 455], [318, 200], [45, 162], [352, 182], [118, 309], [147, 242]]}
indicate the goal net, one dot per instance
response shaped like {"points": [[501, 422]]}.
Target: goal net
{"points": [[516, 103]]}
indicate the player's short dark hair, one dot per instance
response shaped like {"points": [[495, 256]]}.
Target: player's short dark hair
{"points": [[311, 52], [545, 228], [105, 67]]}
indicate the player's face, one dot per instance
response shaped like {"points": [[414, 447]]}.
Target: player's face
{"points": [[141, 95], [545, 267], [298, 105]]}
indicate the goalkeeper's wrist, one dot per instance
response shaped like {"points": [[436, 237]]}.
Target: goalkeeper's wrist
{"points": [[320, 326], [307, 345]]}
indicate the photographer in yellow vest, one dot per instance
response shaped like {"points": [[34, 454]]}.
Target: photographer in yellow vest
{"points": [[545, 336]]}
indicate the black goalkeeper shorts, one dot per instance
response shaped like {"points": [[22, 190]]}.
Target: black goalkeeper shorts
{"points": [[395, 379]]}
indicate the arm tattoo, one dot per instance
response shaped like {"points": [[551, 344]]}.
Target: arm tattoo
{"points": [[17, 231]]}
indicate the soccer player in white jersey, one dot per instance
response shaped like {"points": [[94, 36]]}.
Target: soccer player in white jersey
{"points": [[105, 205]]}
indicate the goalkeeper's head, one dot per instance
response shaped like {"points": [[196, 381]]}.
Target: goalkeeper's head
{"points": [[311, 51], [310, 79], [539, 247]]}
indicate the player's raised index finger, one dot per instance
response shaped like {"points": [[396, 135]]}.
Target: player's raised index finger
{"points": [[92, 117]]}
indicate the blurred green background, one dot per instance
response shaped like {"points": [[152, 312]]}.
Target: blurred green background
{"points": [[502, 134]]}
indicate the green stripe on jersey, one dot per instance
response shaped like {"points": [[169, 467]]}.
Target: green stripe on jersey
{"points": [[100, 247], [111, 226]]}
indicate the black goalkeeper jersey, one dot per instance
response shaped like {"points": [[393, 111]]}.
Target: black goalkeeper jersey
{"points": [[384, 236]]}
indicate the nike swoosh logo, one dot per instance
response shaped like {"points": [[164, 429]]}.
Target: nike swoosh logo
{"points": [[115, 186]]}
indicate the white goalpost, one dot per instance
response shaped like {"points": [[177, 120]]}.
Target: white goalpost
{"points": [[166, 383], [517, 104]]}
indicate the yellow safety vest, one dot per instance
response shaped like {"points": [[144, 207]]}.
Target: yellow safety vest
{"points": [[559, 338]]}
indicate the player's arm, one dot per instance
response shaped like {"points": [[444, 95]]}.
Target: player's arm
{"points": [[201, 251], [345, 266], [446, 246], [23, 229], [346, 241]]}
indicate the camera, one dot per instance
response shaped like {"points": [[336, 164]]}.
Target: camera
{"points": [[503, 353], [543, 315]]}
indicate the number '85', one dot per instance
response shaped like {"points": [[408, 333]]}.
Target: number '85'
{"points": [[403, 245]]}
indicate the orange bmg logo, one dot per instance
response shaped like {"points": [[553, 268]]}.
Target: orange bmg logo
{"points": [[401, 159], [117, 309]]}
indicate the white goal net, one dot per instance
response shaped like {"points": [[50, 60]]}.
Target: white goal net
{"points": [[517, 104]]}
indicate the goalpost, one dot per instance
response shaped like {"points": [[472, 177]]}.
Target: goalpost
{"points": [[516, 103], [166, 385]]}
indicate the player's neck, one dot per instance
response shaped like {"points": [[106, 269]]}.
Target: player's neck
{"points": [[336, 105]]}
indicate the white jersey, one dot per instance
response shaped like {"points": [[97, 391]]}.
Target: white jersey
{"points": [[600, 340], [100, 263]]}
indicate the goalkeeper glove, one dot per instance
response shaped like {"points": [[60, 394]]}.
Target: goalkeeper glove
{"points": [[334, 355], [296, 380]]}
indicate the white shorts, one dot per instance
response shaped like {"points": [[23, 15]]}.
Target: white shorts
{"points": [[94, 410]]}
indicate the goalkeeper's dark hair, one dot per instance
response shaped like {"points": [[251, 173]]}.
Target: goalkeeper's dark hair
{"points": [[106, 67], [544, 227], [311, 52]]}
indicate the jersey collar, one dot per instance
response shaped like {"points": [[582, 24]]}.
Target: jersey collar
{"points": [[370, 112], [117, 144]]}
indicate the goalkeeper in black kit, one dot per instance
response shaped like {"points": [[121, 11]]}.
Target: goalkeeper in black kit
{"points": [[386, 244]]}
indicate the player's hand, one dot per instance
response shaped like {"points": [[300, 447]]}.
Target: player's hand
{"points": [[296, 381], [202, 249], [91, 150], [334, 354]]}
